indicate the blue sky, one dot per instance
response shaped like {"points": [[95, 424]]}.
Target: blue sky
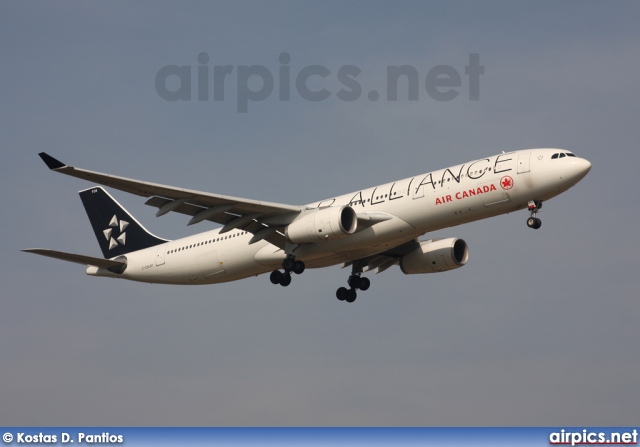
{"points": [[539, 328]]}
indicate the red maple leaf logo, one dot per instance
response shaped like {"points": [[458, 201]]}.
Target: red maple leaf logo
{"points": [[506, 182]]}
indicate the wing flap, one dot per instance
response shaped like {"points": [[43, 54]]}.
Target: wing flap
{"points": [[183, 207]]}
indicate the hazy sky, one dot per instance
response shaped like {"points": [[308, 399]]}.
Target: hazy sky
{"points": [[539, 328]]}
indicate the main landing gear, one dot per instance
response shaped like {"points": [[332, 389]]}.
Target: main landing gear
{"points": [[533, 221], [355, 282], [289, 265]]}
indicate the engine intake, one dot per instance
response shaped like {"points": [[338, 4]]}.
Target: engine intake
{"points": [[435, 255], [322, 224]]}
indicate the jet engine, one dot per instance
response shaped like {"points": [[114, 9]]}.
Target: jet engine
{"points": [[322, 224], [435, 255]]}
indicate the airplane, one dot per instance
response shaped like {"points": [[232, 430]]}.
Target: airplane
{"points": [[370, 229]]}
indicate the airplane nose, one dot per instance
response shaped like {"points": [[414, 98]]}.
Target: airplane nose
{"points": [[583, 167], [578, 169]]}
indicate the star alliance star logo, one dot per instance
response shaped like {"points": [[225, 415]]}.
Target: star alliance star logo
{"points": [[114, 224]]}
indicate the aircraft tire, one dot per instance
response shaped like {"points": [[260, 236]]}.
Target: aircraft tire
{"points": [[286, 280], [276, 277], [355, 281], [342, 293], [298, 267], [288, 264]]}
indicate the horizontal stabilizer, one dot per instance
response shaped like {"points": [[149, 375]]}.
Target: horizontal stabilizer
{"points": [[109, 264]]}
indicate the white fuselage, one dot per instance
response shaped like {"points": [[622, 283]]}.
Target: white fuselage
{"points": [[476, 190]]}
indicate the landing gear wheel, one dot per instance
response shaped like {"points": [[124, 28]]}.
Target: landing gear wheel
{"points": [[298, 267], [286, 280], [534, 222], [276, 277], [355, 281], [288, 264]]}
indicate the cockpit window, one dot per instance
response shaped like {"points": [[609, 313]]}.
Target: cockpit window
{"points": [[562, 155]]}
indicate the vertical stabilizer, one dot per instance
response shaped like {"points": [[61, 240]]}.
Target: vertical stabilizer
{"points": [[117, 231]]}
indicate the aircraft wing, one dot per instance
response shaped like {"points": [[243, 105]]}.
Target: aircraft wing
{"points": [[263, 219], [78, 259]]}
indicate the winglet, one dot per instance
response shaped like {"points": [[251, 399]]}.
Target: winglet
{"points": [[51, 162]]}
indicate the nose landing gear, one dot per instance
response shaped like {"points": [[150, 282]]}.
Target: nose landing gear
{"points": [[533, 222]]}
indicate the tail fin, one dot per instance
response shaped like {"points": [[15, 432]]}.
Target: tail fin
{"points": [[117, 231]]}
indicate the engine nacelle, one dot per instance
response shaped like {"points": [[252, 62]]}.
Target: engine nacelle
{"points": [[322, 224], [436, 255]]}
